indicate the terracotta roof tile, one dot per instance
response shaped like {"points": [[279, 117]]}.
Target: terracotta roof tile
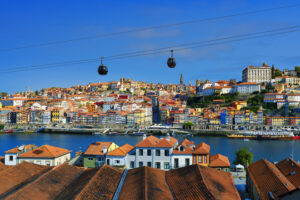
{"points": [[45, 151], [201, 183], [218, 160], [17, 149], [148, 142], [266, 178], [152, 141], [291, 169], [76, 187], [102, 185], [145, 183], [121, 151], [202, 148], [14, 177], [49, 185], [97, 148]]}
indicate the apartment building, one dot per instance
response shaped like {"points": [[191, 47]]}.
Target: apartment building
{"points": [[261, 74]]}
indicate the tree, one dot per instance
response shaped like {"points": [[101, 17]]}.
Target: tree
{"points": [[1, 126], [297, 69], [188, 125], [243, 156]]}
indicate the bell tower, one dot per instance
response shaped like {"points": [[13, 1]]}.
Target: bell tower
{"points": [[181, 79]]}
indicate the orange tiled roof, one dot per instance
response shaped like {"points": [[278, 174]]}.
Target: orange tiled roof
{"points": [[121, 151], [218, 160], [17, 150], [201, 183], [291, 169], [202, 148], [152, 141], [145, 183], [97, 148], [45, 151], [266, 178]]}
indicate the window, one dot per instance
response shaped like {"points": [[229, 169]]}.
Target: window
{"points": [[149, 152], [131, 164], [100, 159], [149, 164], [200, 159], [108, 162], [48, 163], [187, 162], [157, 165], [167, 153], [117, 161], [205, 159], [11, 158], [157, 152], [90, 158], [140, 164], [141, 152], [166, 165]]}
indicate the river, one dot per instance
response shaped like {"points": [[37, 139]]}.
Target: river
{"points": [[274, 150]]}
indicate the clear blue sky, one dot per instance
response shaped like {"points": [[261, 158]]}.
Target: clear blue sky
{"points": [[30, 22]]}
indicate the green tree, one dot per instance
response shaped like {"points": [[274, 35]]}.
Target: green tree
{"points": [[297, 69], [243, 156], [1, 126], [188, 125]]}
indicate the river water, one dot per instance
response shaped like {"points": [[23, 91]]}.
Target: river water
{"points": [[272, 150]]}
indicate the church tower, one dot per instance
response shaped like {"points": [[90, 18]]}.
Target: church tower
{"points": [[181, 79]]}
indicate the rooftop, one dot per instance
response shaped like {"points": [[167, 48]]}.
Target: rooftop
{"points": [[96, 148], [45, 151]]}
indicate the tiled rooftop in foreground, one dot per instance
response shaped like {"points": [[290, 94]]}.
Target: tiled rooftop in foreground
{"points": [[63, 182]]}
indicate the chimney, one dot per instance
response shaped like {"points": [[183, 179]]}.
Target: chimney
{"points": [[144, 136], [104, 149], [168, 137]]}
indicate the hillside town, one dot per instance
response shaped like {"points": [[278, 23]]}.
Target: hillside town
{"points": [[265, 96]]}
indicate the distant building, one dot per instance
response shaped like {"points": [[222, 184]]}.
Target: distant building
{"points": [[246, 88], [261, 74]]}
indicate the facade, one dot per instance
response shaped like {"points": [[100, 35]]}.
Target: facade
{"points": [[46, 155], [246, 87], [152, 152], [261, 74], [11, 156], [118, 157], [96, 153]]}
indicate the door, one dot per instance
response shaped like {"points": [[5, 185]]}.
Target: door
{"points": [[176, 163]]}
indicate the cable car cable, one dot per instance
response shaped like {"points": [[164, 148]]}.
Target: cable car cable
{"points": [[154, 51], [150, 28]]}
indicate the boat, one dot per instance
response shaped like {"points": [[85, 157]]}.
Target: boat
{"points": [[10, 131], [138, 133], [264, 135]]}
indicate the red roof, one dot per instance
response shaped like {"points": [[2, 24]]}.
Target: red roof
{"points": [[152, 141]]}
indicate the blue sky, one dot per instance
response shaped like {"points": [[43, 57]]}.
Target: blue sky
{"points": [[32, 22]]}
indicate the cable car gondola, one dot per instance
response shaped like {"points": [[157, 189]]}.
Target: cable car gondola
{"points": [[171, 61], [102, 69]]}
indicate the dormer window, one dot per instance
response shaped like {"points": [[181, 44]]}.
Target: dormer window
{"points": [[181, 148]]}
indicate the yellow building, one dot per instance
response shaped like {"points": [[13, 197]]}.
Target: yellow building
{"points": [[239, 104]]}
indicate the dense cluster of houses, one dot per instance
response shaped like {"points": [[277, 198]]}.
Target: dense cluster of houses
{"points": [[136, 103]]}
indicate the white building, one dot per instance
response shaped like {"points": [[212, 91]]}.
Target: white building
{"points": [[152, 152], [118, 157], [246, 88], [182, 155], [261, 74], [46, 155], [11, 156]]}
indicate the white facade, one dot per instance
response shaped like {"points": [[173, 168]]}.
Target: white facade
{"points": [[11, 159], [151, 157], [245, 88], [181, 160], [257, 74], [47, 161]]}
